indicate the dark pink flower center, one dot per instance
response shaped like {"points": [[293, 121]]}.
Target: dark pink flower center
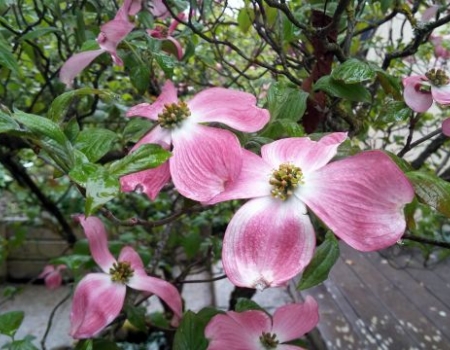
{"points": [[173, 114], [285, 180], [269, 341], [121, 272], [438, 77]]}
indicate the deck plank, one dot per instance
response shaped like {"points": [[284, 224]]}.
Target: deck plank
{"points": [[376, 306]]}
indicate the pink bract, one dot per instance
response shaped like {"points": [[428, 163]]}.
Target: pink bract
{"points": [[52, 276], [419, 93], [244, 330], [204, 159], [99, 297], [111, 34], [270, 240]]}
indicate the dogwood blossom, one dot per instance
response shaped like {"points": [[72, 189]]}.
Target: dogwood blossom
{"points": [[99, 297], [270, 239], [204, 159], [256, 330], [52, 276], [420, 91], [165, 34], [111, 34]]}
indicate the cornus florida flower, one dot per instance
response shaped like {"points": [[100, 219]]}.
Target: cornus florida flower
{"points": [[162, 33], [256, 330], [270, 239], [420, 91], [99, 297], [52, 276], [111, 34], [204, 159]]}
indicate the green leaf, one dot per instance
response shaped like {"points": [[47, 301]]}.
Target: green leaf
{"points": [[136, 128], [7, 59], [95, 143], [431, 190], [283, 128], [73, 261], [245, 19], [71, 129], [104, 344], [7, 123], [244, 304], [320, 266], [140, 77], [10, 322], [166, 62], [353, 71], [190, 333], [147, 156], [391, 85], [83, 171], [49, 136], [100, 189], [352, 92], [85, 344], [394, 112], [136, 316], [286, 102], [38, 33], [23, 344], [61, 104]]}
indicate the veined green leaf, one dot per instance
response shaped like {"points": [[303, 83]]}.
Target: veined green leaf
{"points": [[320, 266], [7, 59], [352, 92], [39, 32], [49, 136], [147, 156], [100, 189], [95, 143], [353, 71], [10, 322], [61, 104], [431, 190]]}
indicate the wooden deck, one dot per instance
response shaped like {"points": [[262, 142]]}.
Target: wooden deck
{"points": [[385, 300]]}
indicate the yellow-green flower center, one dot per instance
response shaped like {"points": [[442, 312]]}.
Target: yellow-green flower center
{"points": [[269, 341], [173, 114], [121, 272], [437, 77], [285, 180]]}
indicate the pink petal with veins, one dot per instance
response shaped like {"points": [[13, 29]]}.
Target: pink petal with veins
{"points": [[149, 181], [418, 101], [97, 301], [168, 95], [98, 241], [441, 94], [446, 127], [293, 321], [164, 290], [75, 64], [237, 330], [267, 242], [307, 154], [251, 182], [361, 199], [204, 160], [234, 108]]}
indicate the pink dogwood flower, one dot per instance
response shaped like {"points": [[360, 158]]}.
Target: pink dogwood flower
{"points": [[111, 34], [440, 50], [204, 159], [52, 276], [99, 297], [162, 33], [256, 330], [421, 90], [270, 239]]}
